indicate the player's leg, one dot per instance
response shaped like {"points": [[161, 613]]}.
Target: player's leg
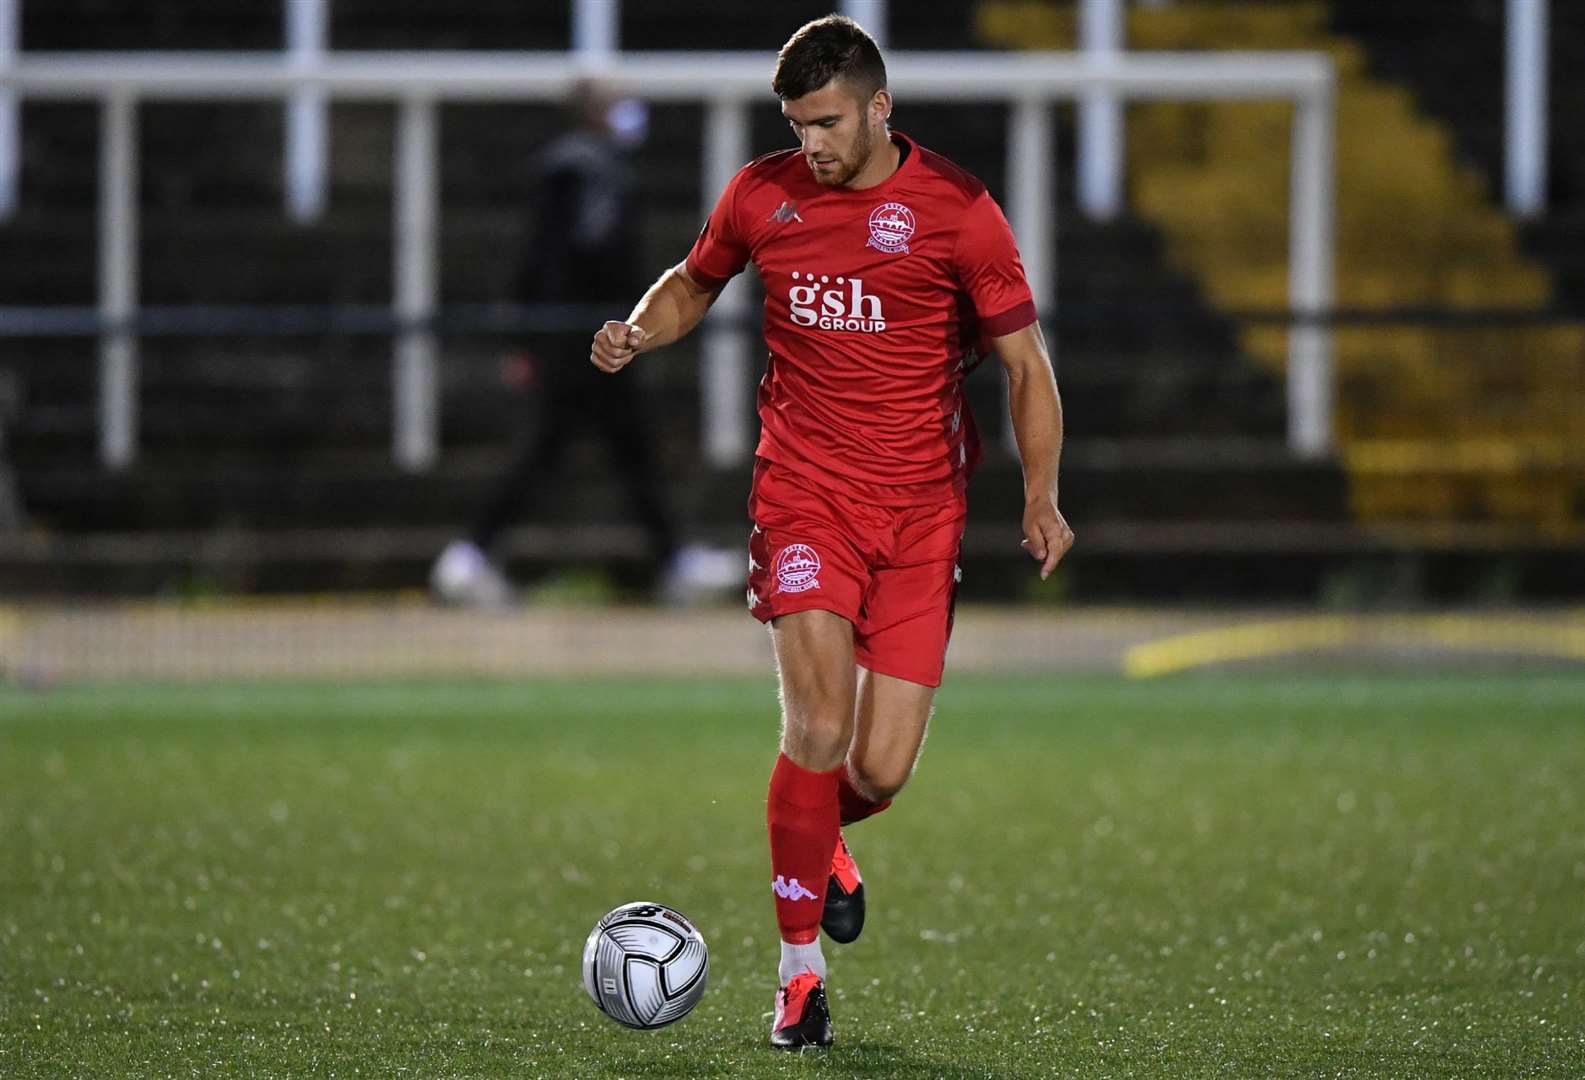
{"points": [[807, 576], [819, 685], [888, 731], [900, 644], [814, 658]]}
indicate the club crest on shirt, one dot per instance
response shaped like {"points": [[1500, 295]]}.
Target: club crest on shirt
{"points": [[797, 568], [891, 224]]}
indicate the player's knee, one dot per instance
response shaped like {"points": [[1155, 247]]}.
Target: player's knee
{"points": [[816, 740], [878, 781]]}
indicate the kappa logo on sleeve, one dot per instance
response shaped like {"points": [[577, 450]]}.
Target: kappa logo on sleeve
{"points": [[797, 568], [785, 214]]}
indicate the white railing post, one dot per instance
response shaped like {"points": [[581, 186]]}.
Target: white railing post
{"points": [[1310, 292], [1031, 197], [871, 15], [10, 110], [118, 280], [307, 115], [1100, 115], [1525, 129], [596, 27], [416, 413], [724, 348]]}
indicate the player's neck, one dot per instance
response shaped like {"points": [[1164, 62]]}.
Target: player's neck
{"points": [[884, 161]]}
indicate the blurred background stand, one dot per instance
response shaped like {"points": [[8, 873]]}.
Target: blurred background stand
{"points": [[256, 281], [11, 519]]}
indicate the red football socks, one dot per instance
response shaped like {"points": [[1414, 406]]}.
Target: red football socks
{"points": [[803, 816], [855, 807]]}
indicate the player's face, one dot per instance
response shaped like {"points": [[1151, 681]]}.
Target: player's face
{"points": [[836, 131]]}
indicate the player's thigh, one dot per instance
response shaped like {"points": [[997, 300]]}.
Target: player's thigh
{"points": [[814, 661], [888, 730]]}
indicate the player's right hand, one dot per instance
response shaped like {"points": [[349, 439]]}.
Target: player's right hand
{"points": [[615, 345]]}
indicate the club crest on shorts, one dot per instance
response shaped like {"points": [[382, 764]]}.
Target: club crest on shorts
{"points": [[797, 568], [891, 224]]}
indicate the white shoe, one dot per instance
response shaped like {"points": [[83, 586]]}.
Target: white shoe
{"points": [[463, 575], [697, 571]]}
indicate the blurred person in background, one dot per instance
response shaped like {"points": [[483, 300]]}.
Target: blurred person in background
{"points": [[888, 271], [584, 252]]}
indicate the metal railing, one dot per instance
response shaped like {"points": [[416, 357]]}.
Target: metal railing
{"points": [[417, 82]]}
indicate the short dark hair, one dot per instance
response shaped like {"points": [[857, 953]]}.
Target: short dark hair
{"points": [[834, 47]]}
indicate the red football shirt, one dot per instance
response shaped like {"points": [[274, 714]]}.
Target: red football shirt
{"points": [[875, 300]]}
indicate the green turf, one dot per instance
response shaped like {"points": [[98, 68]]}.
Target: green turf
{"points": [[1208, 876]]}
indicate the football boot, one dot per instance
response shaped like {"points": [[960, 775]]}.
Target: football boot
{"points": [[802, 1017], [843, 917]]}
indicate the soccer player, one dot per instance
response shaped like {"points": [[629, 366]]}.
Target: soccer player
{"points": [[888, 271]]}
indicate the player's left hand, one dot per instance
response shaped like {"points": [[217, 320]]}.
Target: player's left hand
{"points": [[1046, 534]]}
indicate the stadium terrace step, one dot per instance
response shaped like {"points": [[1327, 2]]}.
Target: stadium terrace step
{"points": [[1415, 228], [480, 24], [191, 257], [1171, 518], [1452, 56], [48, 258], [1559, 241], [325, 488], [146, 24], [1120, 396], [418, 24], [60, 148], [1115, 561]]}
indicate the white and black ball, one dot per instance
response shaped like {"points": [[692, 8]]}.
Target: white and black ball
{"points": [[645, 965]]}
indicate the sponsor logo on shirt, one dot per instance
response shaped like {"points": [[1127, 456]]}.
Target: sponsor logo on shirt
{"points": [[835, 304], [797, 568], [786, 212], [891, 224]]}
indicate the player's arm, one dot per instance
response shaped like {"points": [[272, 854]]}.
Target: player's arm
{"points": [[670, 309], [1037, 425]]}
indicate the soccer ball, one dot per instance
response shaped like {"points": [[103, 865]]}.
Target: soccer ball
{"points": [[645, 965]]}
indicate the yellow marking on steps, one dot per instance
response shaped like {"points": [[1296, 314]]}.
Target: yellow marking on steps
{"points": [[1541, 637]]}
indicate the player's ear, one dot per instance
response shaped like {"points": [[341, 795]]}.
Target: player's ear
{"points": [[880, 106]]}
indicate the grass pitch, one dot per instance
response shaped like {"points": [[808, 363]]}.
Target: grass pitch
{"points": [[1207, 876]]}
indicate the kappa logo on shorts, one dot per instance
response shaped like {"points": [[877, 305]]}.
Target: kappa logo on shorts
{"points": [[797, 568]]}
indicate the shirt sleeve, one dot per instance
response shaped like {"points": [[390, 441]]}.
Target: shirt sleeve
{"points": [[988, 266], [722, 251]]}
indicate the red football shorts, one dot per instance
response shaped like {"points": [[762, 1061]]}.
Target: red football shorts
{"points": [[890, 571]]}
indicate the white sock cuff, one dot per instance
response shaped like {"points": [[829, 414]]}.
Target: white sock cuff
{"points": [[797, 959]]}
